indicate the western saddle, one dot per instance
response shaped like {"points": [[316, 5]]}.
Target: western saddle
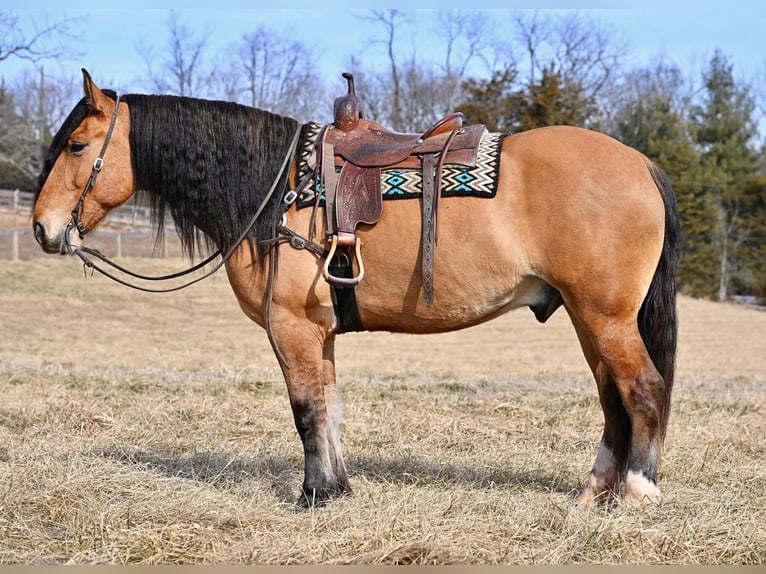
{"points": [[350, 155]]}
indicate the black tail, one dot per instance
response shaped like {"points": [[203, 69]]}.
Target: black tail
{"points": [[657, 319]]}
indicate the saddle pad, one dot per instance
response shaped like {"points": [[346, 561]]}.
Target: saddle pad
{"points": [[457, 180]]}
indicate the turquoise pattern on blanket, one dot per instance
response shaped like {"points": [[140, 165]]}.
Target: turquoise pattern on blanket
{"points": [[457, 180]]}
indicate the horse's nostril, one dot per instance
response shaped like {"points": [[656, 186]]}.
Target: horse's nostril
{"points": [[40, 232]]}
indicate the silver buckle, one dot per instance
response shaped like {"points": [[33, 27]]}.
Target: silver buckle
{"points": [[290, 197]]}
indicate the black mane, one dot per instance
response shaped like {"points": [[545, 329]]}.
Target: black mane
{"points": [[210, 164]]}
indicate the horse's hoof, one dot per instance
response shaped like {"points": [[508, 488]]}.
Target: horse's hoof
{"points": [[312, 500], [596, 492], [317, 498], [588, 498], [640, 491], [585, 499]]}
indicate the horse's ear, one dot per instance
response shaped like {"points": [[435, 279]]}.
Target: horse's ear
{"points": [[93, 95]]}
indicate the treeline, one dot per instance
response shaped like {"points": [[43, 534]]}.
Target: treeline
{"points": [[555, 69]]}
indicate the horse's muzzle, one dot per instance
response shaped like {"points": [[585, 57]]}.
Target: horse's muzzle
{"points": [[58, 243]]}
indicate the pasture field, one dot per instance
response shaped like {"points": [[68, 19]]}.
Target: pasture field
{"points": [[155, 429]]}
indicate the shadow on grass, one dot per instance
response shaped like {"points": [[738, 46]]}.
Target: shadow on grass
{"points": [[279, 474], [283, 476], [423, 470]]}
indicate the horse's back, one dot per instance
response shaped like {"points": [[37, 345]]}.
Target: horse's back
{"points": [[575, 211]]}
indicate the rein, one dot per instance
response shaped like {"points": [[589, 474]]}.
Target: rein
{"points": [[84, 252], [287, 199]]}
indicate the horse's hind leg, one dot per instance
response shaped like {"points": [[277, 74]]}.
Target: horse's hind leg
{"points": [[628, 381], [605, 476], [316, 409]]}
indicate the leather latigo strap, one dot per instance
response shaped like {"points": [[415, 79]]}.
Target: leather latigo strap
{"points": [[428, 239], [431, 193], [329, 183]]}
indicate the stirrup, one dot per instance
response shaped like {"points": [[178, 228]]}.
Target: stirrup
{"points": [[343, 281]]}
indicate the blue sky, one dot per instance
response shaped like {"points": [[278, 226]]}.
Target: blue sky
{"points": [[686, 32]]}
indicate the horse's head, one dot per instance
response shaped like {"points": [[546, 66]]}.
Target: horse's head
{"points": [[67, 206]]}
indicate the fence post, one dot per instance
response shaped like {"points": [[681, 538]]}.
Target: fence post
{"points": [[16, 200], [15, 246], [119, 244]]}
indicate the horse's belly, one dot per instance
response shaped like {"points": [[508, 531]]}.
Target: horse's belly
{"points": [[457, 305]]}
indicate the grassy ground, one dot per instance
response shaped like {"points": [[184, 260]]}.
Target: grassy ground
{"points": [[149, 429]]}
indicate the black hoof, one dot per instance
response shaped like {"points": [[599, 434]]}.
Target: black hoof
{"points": [[319, 497]]}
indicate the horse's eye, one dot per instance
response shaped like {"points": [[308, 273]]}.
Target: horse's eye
{"points": [[77, 148]]}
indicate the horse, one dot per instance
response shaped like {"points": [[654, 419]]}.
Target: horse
{"points": [[579, 220]]}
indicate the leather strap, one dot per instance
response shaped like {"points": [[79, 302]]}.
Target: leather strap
{"points": [[432, 175], [330, 183], [428, 238], [438, 183]]}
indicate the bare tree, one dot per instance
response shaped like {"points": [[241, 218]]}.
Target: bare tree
{"points": [[181, 60], [579, 49], [467, 35], [587, 53], [44, 100], [534, 32], [372, 88], [270, 71], [391, 20], [25, 109], [18, 150], [425, 90], [50, 41], [411, 93], [31, 108]]}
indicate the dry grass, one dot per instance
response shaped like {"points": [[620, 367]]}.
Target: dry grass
{"points": [[153, 429]]}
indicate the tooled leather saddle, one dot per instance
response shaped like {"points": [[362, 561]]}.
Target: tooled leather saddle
{"points": [[350, 155]]}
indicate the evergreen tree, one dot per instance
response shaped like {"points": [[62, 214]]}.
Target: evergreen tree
{"points": [[18, 150], [725, 133], [552, 100], [653, 121], [494, 102], [751, 276]]}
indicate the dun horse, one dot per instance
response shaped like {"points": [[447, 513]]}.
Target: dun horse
{"points": [[575, 219]]}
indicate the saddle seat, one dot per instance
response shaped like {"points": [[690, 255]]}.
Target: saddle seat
{"points": [[370, 144]]}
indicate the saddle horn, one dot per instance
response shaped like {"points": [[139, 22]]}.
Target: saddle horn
{"points": [[347, 109]]}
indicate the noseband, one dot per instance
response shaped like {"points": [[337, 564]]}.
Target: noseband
{"points": [[76, 221]]}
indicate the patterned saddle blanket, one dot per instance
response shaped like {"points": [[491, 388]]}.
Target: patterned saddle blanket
{"points": [[399, 183]]}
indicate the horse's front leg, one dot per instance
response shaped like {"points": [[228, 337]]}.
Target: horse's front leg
{"points": [[310, 377]]}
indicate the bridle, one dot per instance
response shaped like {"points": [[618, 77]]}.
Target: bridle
{"points": [[287, 235], [98, 164]]}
